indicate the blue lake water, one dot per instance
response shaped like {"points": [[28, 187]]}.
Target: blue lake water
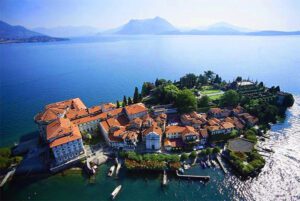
{"points": [[104, 69]]}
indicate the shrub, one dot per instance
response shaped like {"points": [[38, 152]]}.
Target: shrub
{"points": [[193, 154], [184, 156]]}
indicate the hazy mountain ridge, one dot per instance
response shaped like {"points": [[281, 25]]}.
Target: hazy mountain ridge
{"points": [[17, 34], [68, 31]]}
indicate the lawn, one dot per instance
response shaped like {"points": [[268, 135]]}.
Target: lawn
{"points": [[210, 91], [215, 97]]}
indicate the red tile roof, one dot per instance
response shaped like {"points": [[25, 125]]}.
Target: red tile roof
{"points": [[135, 108]]}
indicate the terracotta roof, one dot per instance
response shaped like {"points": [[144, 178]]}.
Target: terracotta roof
{"points": [[227, 125], [213, 121], [153, 128], [173, 143], [175, 129], [136, 108], [49, 114], [203, 133], [189, 130], [108, 106], [215, 110], [94, 109], [75, 103], [59, 127], [76, 114], [62, 140]]}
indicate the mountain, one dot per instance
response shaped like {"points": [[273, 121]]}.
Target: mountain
{"points": [[273, 33], [155, 25], [68, 31], [12, 34]]}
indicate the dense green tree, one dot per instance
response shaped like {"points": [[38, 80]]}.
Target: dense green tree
{"points": [[188, 81], [186, 101], [229, 98], [160, 82], [238, 79], [203, 101], [124, 101], [209, 74], [136, 95], [184, 156], [288, 100], [203, 80], [193, 154], [170, 93], [216, 150], [147, 87], [129, 101], [217, 79], [118, 104], [261, 84]]}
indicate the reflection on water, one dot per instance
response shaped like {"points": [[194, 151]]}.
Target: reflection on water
{"points": [[280, 178]]}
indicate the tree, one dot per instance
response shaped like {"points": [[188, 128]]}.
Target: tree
{"points": [[186, 101], [160, 82], [188, 81], [136, 95], [129, 101], [261, 84], [217, 79], [216, 150], [193, 154], [202, 79], [170, 93], [118, 104], [288, 100], [184, 156], [229, 98], [124, 101], [146, 88], [209, 74], [203, 101], [238, 79]]}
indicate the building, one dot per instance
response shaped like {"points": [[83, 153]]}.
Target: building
{"points": [[51, 112], [64, 140], [193, 119], [185, 133], [219, 113], [221, 128], [248, 119], [173, 144], [152, 136], [137, 110], [203, 136]]}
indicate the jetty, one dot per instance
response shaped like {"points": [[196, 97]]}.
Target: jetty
{"points": [[186, 176], [165, 179], [221, 164], [118, 168], [7, 176], [116, 191]]}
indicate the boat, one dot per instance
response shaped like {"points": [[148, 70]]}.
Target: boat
{"points": [[214, 163], [111, 170], [165, 178], [181, 170], [116, 191]]}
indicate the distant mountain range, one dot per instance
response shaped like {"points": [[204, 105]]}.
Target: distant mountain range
{"points": [[68, 31], [18, 34], [159, 25]]}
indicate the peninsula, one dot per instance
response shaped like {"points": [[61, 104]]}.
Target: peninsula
{"points": [[168, 125]]}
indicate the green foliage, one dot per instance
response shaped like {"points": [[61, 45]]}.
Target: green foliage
{"points": [[239, 79], [264, 111], [159, 82], [184, 156], [188, 81], [229, 98], [136, 95], [4, 163], [5, 152], [124, 101], [118, 104], [288, 100], [193, 154], [146, 88], [203, 80], [186, 101], [129, 101], [216, 150]]}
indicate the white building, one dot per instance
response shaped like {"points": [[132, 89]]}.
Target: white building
{"points": [[152, 136]]}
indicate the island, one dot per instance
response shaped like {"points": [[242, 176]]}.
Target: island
{"points": [[166, 126]]}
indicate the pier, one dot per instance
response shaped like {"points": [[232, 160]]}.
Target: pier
{"points": [[221, 164], [165, 178], [206, 178], [7, 176]]}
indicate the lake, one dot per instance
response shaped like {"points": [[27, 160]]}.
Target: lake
{"points": [[103, 69]]}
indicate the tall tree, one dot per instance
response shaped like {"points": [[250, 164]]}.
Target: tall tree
{"points": [[203, 101], [147, 87], [118, 104], [124, 101], [136, 95], [129, 101], [238, 79]]}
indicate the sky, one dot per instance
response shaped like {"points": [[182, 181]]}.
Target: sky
{"points": [[105, 14]]}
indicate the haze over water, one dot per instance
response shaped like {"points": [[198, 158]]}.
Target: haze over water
{"points": [[106, 68]]}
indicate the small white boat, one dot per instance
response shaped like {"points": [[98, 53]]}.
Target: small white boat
{"points": [[111, 170], [116, 191]]}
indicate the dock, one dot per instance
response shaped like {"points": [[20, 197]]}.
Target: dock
{"points": [[7, 176], [206, 178], [165, 178], [221, 164], [118, 168]]}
